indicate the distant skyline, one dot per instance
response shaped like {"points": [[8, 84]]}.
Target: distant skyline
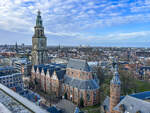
{"points": [[77, 22]]}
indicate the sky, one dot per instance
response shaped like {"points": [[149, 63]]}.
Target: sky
{"points": [[123, 23]]}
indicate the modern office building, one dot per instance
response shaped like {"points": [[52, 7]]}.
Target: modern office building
{"points": [[23, 66], [11, 78]]}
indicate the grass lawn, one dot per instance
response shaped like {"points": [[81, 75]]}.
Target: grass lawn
{"points": [[91, 109], [142, 86]]}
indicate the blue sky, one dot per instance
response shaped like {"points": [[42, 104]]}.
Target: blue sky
{"points": [[78, 22]]}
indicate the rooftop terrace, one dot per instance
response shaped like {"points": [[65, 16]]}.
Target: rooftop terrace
{"points": [[16, 103]]}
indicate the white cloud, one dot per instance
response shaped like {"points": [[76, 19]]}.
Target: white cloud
{"points": [[71, 17], [119, 37]]}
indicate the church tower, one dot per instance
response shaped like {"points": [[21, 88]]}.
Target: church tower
{"points": [[39, 43], [115, 86]]}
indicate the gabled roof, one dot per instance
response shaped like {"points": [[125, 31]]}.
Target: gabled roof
{"points": [[51, 67], [132, 105], [78, 64], [60, 74], [81, 84]]}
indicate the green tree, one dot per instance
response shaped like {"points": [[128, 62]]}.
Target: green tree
{"points": [[128, 84], [65, 95], [81, 102], [100, 74]]}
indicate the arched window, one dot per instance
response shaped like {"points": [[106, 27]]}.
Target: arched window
{"points": [[94, 95], [81, 94], [71, 90], [88, 95], [75, 94]]}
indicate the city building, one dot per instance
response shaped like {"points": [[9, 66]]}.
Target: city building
{"points": [[144, 72], [22, 65], [39, 43], [11, 102], [11, 78]]}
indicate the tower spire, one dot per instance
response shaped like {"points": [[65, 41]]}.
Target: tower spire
{"points": [[39, 43], [116, 79], [39, 19], [115, 86]]}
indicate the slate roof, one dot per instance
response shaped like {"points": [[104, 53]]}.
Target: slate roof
{"points": [[51, 67], [141, 95], [78, 64], [58, 68], [132, 105], [81, 84], [60, 74], [115, 79]]}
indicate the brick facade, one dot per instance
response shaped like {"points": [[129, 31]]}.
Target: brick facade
{"points": [[114, 96], [90, 97], [47, 83], [55, 82]]}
